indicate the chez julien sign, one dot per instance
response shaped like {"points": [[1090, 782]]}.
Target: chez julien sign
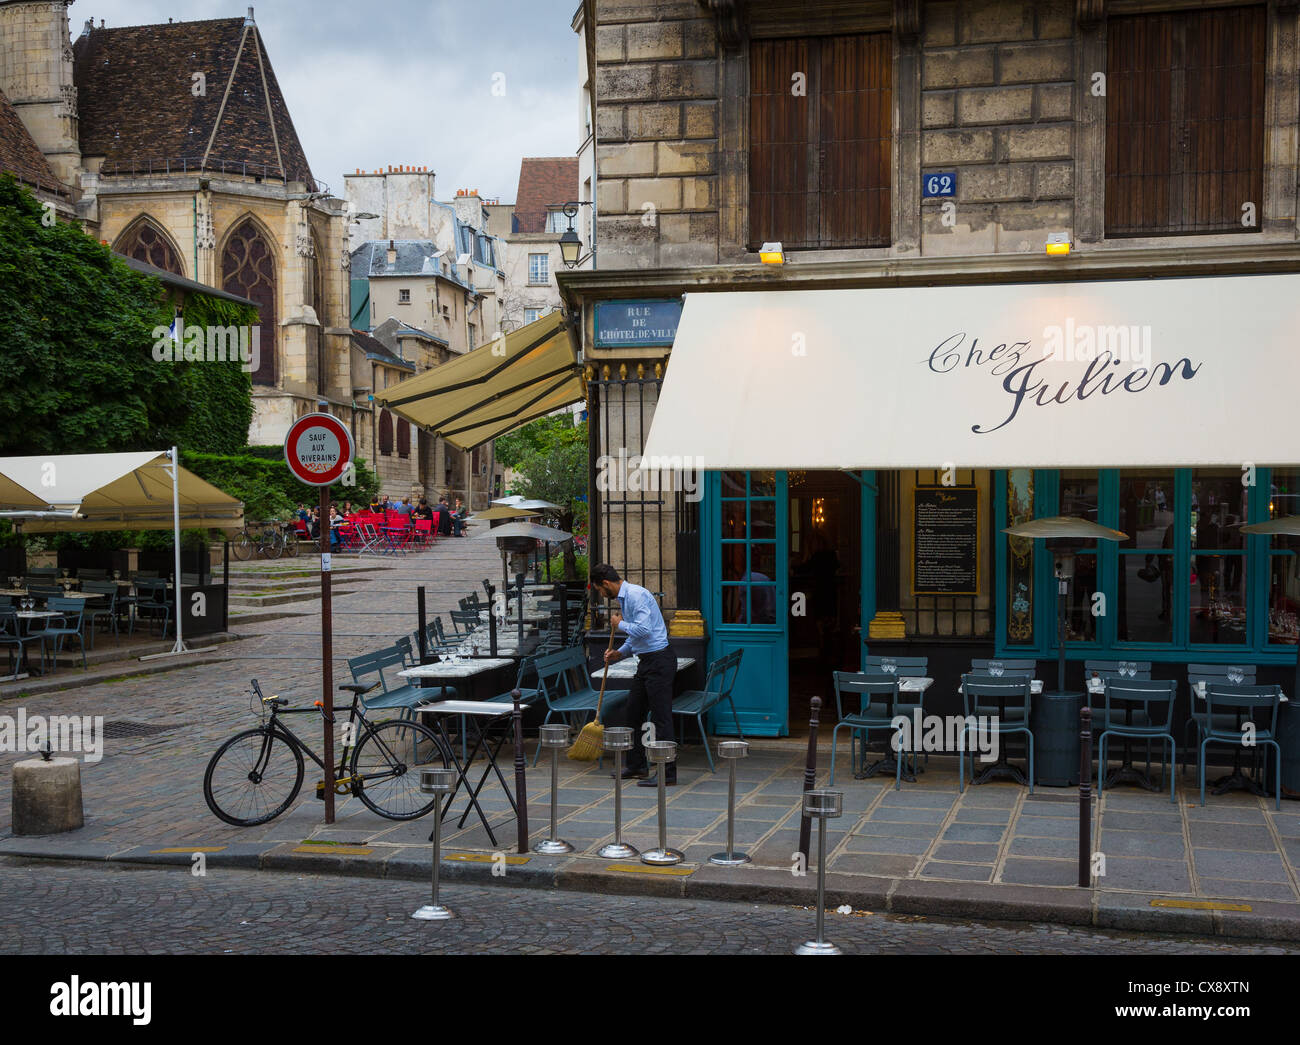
{"points": [[1197, 371]]}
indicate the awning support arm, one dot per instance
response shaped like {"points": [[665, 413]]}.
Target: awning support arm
{"points": [[860, 477]]}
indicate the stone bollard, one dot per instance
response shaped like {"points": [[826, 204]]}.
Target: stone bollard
{"points": [[47, 796]]}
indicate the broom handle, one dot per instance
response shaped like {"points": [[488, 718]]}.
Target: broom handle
{"points": [[604, 678]]}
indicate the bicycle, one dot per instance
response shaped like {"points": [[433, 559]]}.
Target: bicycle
{"points": [[255, 775], [268, 542]]}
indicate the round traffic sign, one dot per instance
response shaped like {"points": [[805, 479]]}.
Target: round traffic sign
{"points": [[318, 449]]}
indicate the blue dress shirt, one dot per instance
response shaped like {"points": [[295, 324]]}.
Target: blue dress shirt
{"points": [[642, 622]]}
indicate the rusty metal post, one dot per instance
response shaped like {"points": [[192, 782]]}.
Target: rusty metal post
{"points": [[809, 776], [521, 792], [421, 623], [1085, 795], [326, 651]]}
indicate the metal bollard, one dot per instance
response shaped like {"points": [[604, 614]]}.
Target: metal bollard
{"points": [[618, 739], [1085, 794], [660, 753], [821, 805], [555, 737], [436, 782], [732, 751]]}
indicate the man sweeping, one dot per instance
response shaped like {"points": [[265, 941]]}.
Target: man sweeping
{"points": [[638, 617]]}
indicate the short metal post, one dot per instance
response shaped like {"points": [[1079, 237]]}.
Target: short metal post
{"points": [[732, 751], [1085, 795], [618, 739], [660, 753], [555, 737], [810, 772], [436, 782], [821, 804], [521, 784]]}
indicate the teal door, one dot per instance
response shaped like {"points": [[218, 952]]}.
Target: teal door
{"points": [[744, 548]]}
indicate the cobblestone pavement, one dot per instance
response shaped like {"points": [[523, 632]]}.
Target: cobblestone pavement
{"points": [[147, 791], [119, 909]]}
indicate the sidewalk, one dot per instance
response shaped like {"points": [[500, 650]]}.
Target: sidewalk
{"points": [[995, 852]]}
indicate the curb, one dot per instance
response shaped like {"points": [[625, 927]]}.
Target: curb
{"points": [[1125, 912]]}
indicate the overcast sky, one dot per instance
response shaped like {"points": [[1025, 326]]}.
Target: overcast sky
{"points": [[382, 82]]}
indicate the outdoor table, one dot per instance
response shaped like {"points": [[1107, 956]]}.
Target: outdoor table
{"points": [[474, 710], [1236, 780], [626, 669], [889, 764], [467, 668]]}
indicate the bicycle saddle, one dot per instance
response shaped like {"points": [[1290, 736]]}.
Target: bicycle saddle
{"points": [[359, 687]]}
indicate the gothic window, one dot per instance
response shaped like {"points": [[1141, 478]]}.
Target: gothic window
{"points": [[146, 242], [248, 269]]}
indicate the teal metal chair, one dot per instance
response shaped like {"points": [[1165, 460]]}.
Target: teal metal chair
{"points": [[69, 622], [1003, 699], [565, 684], [718, 686], [1198, 720], [878, 705], [13, 638], [904, 668], [1256, 705], [103, 608], [153, 600], [1139, 709]]}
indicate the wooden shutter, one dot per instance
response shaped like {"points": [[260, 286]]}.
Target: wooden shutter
{"points": [[1185, 121], [385, 432], [819, 160], [403, 438]]}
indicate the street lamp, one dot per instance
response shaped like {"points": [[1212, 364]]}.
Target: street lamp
{"points": [[570, 243]]}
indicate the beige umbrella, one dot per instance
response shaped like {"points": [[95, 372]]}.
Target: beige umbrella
{"points": [[1063, 532], [503, 512], [519, 537]]}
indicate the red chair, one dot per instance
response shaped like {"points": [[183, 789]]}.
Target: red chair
{"points": [[397, 530], [423, 535]]}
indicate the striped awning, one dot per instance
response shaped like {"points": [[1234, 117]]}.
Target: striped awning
{"points": [[496, 388]]}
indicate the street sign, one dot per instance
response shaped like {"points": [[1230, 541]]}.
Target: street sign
{"points": [[318, 449]]}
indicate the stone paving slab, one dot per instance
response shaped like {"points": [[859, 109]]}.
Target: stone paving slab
{"points": [[990, 851]]}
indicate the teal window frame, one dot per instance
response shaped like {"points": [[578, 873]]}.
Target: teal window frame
{"points": [[749, 498], [1047, 485]]}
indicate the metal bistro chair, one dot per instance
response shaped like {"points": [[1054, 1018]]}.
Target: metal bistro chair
{"points": [[1012, 669], [904, 668], [878, 704], [464, 622], [12, 637], [1240, 705], [1109, 669], [718, 686], [70, 621], [556, 673], [152, 601], [103, 608], [986, 696], [1216, 674], [1131, 709]]}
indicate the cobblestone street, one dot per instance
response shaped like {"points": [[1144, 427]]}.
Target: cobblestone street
{"points": [[114, 909]]}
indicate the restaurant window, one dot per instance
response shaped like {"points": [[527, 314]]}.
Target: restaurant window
{"points": [[819, 141], [1185, 121], [1283, 562], [1217, 580], [385, 433], [749, 588], [1080, 499], [1020, 559], [1147, 588]]}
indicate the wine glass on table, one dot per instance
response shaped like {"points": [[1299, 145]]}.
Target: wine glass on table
{"points": [[996, 668], [1236, 673], [888, 665]]}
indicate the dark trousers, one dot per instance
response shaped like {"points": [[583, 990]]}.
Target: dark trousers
{"points": [[652, 689]]}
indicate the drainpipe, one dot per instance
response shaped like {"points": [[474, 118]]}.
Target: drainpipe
{"points": [[195, 203]]}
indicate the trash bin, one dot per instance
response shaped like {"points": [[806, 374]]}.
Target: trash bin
{"points": [[1288, 739], [1055, 723]]}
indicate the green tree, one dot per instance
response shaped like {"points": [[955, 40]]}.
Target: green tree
{"points": [[553, 467]]}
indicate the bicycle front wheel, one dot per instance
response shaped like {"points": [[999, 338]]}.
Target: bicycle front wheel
{"points": [[253, 777], [272, 544], [290, 544], [386, 768], [243, 546]]}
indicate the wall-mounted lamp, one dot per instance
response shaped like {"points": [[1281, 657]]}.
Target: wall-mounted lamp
{"points": [[1058, 244], [570, 242], [771, 254]]}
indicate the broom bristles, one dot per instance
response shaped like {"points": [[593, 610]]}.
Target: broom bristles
{"points": [[587, 747]]}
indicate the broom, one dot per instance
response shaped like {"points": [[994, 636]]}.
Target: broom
{"points": [[589, 745]]}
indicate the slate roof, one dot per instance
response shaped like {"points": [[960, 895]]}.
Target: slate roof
{"points": [[378, 351], [136, 104], [544, 183], [21, 156], [415, 257]]}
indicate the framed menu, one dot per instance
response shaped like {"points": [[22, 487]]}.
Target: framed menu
{"points": [[945, 540]]}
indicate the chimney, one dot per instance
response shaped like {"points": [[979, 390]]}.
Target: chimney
{"points": [[392, 254], [249, 19]]}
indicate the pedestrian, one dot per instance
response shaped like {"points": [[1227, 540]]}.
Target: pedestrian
{"points": [[640, 620], [444, 517], [458, 518]]}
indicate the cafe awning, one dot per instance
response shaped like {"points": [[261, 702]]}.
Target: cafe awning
{"points": [[124, 491], [1118, 373], [501, 385]]}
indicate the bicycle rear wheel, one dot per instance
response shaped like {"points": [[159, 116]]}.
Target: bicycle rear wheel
{"points": [[386, 768], [272, 543], [253, 777], [290, 544], [242, 546]]}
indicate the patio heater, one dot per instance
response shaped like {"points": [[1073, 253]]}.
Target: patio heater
{"points": [[1064, 535], [519, 537]]}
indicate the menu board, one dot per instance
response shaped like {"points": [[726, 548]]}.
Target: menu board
{"points": [[945, 540]]}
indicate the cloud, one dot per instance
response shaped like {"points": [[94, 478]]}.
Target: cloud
{"points": [[409, 81]]}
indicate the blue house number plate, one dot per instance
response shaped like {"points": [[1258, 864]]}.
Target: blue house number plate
{"points": [[940, 183]]}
